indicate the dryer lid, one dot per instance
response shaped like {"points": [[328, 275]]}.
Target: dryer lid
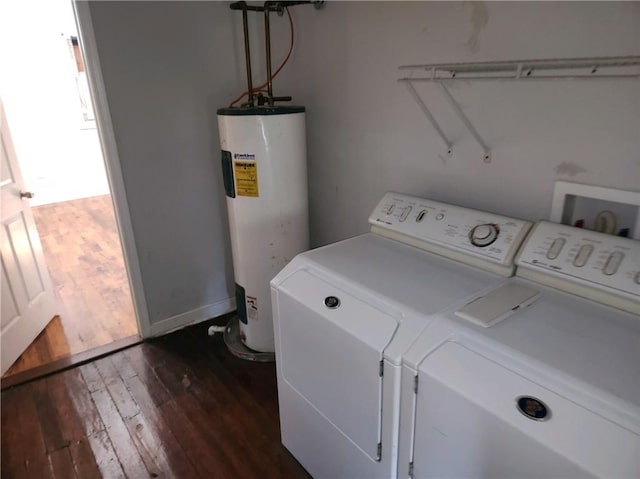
{"points": [[408, 284]]}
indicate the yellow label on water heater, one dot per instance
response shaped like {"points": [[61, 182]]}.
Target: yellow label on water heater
{"points": [[246, 175]]}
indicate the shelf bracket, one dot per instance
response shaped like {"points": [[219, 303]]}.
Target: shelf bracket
{"points": [[430, 117], [550, 69], [454, 104]]}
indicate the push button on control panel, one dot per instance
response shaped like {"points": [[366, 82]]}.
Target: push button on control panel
{"points": [[613, 263], [583, 255], [421, 216], [555, 248], [391, 208], [405, 213]]}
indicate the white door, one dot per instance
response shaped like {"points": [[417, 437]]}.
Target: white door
{"points": [[28, 301]]}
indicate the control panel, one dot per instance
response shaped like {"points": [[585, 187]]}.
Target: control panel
{"points": [[476, 233], [601, 261]]}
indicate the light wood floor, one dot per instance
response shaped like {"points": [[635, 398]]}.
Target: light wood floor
{"points": [[82, 249]]}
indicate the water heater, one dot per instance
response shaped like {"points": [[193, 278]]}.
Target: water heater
{"points": [[265, 180]]}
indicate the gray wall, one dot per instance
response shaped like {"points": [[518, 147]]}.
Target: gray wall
{"points": [[366, 134], [167, 67]]}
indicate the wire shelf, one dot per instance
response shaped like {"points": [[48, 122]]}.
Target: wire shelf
{"points": [[588, 68]]}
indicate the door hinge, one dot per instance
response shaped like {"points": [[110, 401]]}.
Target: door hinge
{"points": [[415, 385], [411, 469], [379, 451], [381, 367]]}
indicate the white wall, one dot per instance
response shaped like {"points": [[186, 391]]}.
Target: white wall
{"points": [[59, 156], [366, 135], [167, 67]]}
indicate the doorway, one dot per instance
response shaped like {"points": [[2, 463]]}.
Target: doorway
{"points": [[46, 98]]}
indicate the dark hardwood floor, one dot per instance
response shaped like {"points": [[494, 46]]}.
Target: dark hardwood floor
{"points": [[180, 406]]}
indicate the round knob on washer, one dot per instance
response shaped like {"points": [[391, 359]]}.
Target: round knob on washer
{"points": [[483, 235]]}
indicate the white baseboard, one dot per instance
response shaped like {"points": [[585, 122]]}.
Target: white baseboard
{"points": [[193, 317]]}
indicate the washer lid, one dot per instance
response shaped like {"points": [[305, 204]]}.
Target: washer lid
{"points": [[585, 351]]}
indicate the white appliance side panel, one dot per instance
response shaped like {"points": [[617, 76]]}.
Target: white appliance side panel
{"points": [[331, 357], [468, 425]]}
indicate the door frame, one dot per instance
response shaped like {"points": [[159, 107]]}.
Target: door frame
{"points": [[104, 125]]}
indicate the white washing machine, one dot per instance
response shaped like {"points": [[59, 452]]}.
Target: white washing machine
{"points": [[345, 313], [495, 388]]}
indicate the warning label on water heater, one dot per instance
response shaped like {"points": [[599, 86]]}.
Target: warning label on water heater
{"points": [[246, 175]]}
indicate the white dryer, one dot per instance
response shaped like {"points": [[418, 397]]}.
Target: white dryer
{"points": [[345, 313], [529, 380]]}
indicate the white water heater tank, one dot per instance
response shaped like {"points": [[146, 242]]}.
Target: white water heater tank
{"points": [[265, 178]]}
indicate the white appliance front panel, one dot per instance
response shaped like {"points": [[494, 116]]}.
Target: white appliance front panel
{"points": [[332, 356], [324, 450], [468, 425], [600, 262], [451, 227], [590, 348], [328, 360], [585, 353]]}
